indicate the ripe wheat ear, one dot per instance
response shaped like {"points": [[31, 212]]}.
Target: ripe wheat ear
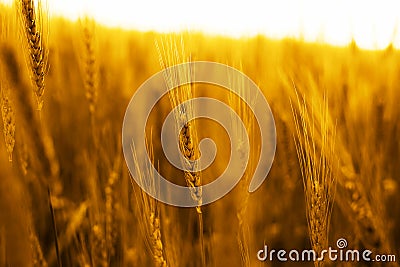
{"points": [[318, 169], [37, 53]]}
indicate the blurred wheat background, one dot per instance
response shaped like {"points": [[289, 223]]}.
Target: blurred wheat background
{"points": [[67, 198]]}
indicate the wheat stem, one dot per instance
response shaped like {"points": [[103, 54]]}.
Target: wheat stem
{"points": [[150, 216], [242, 112]]}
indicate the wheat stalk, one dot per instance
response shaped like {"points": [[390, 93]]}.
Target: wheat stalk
{"points": [[90, 64], [318, 167], [352, 196], [31, 16], [111, 224], [74, 223], [171, 54], [37, 58], [149, 213], [242, 112]]}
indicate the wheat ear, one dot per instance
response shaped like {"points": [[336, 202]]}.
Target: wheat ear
{"points": [[171, 54], [318, 167], [351, 194], [32, 21], [111, 224], [149, 212], [354, 202], [90, 64]]}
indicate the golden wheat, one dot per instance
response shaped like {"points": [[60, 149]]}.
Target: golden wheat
{"points": [[242, 110], [318, 166], [149, 214], [32, 20], [352, 195], [90, 64], [172, 54], [94, 214]]}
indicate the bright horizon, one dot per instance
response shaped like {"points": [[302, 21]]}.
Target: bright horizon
{"points": [[371, 25]]}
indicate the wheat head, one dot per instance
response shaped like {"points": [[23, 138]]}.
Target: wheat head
{"points": [[32, 21], [318, 166]]}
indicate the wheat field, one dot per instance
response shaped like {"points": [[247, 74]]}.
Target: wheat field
{"points": [[68, 199]]}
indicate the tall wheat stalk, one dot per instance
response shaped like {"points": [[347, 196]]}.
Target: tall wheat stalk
{"points": [[242, 111], [352, 197], [90, 64], [318, 169], [172, 53], [149, 210], [33, 17]]}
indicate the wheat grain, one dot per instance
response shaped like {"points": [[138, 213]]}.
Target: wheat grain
{"points": [[155, 232]]}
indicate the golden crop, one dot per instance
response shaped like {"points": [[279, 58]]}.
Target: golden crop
{"points": [[66, 195]]}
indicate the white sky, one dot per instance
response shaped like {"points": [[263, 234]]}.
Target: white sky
{"points": [[373, 24]]}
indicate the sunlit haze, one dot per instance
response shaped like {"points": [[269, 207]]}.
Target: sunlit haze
{"points": [[373, 24]]}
